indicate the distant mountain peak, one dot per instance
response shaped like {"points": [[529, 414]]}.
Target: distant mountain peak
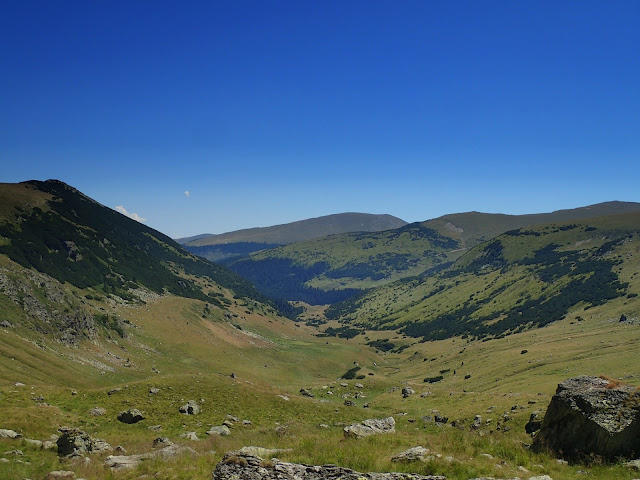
{"points": [[301, 230]]}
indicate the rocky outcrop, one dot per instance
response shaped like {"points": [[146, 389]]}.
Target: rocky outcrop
{"points": [[123, 462], [592, 416], [237, 465], [73, 441], [370, 427], [43, 299]]}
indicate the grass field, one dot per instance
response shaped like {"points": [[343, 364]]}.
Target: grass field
{"points": [[272, 358]]}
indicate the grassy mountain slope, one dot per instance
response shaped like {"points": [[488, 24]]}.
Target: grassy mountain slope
{"points": [[174, 345], [187, 348], [301, 271], [60, 232], [524, 278], [242, 242]]}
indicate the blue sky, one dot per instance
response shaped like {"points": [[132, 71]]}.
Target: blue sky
{"points": [[268, 112]]}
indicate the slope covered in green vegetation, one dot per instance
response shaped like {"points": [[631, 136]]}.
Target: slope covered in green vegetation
{"points": [[523, 278], [304, 270], [57, 230], [244, 365]]}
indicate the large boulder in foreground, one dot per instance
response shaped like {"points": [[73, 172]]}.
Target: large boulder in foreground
{"points": [[237, 465], [592, 416], [371, 426]]}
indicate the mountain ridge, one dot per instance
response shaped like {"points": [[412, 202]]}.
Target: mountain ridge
{"points": [[301, 230], [366, 260]]}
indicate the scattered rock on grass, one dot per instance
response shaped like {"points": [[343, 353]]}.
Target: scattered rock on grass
{"points": [[407, 392], [370, 427], [122, 462], [4, 433], [162, 442], [418, 453], [190, 408], [306, 393], [60, 475], [133, 415], [221, 430], [97, 411]]}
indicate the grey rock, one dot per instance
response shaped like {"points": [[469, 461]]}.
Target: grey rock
{"points": [[113, 390], [190, 408], [306, 393], [123, 462], [154, 390], [4, 433], [634, 464], [75, 442], [541, 477], [590, 415], [350, 403], [418, 453], [97, 411], [228, 423], [370, 427], [477, 422], [33, 443], [358, 385], [221, 430], [162, 442], [60, 475], [130, 416], [5, 324], [155, 428], [237, 465], [190, 436], [407, 391], [262, 452], [440, 418]]}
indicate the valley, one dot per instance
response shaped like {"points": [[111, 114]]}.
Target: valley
{"points": [[100, 312]]}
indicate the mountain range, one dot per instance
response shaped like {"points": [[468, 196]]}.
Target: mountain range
{"points": [[465, 316], [243, 242], [328, 269]]}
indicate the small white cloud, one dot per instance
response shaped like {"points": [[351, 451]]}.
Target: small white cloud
{"points": [[131, 215], [187, 193]]}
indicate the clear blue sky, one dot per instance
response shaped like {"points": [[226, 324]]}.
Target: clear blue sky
{"points": [[274, 111]]}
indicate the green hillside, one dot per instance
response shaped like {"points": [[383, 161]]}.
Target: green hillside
{"points": [[57, 230], [521, 279], [233, 245], [304, 270]]}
